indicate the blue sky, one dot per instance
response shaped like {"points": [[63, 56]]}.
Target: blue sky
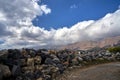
{"points": [[65, 13]]}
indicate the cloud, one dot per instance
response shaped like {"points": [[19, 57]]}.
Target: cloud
{"points": [[119, 6], [4, 31], [21, 12], [17, 30], [73, 6], [105, 27], [16, 21], [45, 9]]}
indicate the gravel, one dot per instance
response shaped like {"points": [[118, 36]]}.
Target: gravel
{"points": [[108, 71]]}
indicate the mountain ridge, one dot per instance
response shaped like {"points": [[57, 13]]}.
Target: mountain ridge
{"points": [[85, 45]]}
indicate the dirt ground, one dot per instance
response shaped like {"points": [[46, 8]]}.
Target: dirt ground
{"points": [[108, 71]]}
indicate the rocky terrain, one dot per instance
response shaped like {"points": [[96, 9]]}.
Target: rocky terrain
{"points": [[84, 45], [42, 64]]}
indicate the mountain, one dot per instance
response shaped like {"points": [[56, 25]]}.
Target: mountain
{"points": [[84, 45]]}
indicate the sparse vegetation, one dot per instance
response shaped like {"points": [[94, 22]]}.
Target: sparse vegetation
{"points": [[114, 49]]}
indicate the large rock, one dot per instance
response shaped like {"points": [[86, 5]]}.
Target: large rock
{"points": [[32, 53], [37, 60], [23, 62], [30, 62], [16, 70], [49, 61], [61, 68], [14, 54], [79, 59], [3, 55], [117, 56], [87, 58], [4, 71], [108, 54]]}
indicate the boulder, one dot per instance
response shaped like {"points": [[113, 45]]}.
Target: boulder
{"points": [[86, 58], [16, 70], [56, 60], [117, 56], [3, 55], [32, 53], [37, 60], [14, 54], [4, 71], [49, 61], [60, 67], [23, 62], [108, 54], [79, 59], [30, 62], [37, 74], [24, 52]]}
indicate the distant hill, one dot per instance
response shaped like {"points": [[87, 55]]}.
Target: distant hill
{"points": [[84, 45]]}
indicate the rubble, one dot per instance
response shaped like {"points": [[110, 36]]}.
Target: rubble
{"points": [[42, 64]]}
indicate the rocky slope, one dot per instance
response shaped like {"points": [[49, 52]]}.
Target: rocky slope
{"points": [[91, 44]]}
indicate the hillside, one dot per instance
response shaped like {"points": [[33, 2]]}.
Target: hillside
{"points": [[84, 45]]}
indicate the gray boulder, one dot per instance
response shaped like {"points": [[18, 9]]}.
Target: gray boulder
{"points": [[16, 70]]}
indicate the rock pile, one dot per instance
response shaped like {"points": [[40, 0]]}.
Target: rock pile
{"points": [[42, 64]]}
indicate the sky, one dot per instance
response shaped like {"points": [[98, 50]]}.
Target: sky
{"points": [[66, 13], [51, 23]]}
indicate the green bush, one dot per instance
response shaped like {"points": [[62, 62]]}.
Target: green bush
{"points": [[114, 49]]}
